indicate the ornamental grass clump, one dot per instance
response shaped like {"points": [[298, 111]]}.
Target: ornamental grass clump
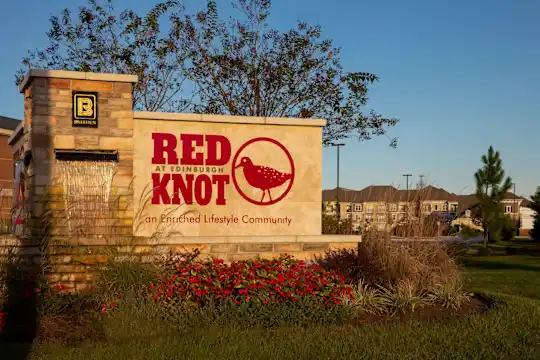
{"points": [[266, 281], [407, 275]]}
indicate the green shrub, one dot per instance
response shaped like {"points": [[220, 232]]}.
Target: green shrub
{"points": [[509, 231], [305, 312], [367, 299], [457, 250], [450, 230], [346, 261], [510, 250], [332, 226], [284, 279], [485, 251], [129, 277], [397, 276], [449, 295], [57, 301], [468, 232]]}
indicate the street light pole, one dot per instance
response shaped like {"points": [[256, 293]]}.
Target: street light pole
{"points": [[516, 211], [337, 187], [421, 181], [407, 176]]}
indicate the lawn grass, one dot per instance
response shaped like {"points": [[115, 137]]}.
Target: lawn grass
{"points": [[511, 331]]}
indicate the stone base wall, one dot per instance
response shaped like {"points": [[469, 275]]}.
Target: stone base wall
{"points": [[74, 266]]}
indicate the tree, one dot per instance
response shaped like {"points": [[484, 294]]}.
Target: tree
{"points": [[97, 39], [239, 67], [332, 225], [535, 205], [491, 186]]}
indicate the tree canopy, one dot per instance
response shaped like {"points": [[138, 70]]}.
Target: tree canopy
{"points": [[535, 205], [491, 186], [205, 64]]}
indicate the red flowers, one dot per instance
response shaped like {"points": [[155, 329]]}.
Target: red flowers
{"points": [[278, 280], [112, 305]]}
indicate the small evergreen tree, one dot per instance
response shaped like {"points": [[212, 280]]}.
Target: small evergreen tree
{"points": [[535, 205], [491, 186]]}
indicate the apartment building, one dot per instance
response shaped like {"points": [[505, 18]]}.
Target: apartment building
{"points": [[382, 207], [7, 125]]}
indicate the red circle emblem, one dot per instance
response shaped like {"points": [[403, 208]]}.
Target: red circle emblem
{"points": [[261, 177]]}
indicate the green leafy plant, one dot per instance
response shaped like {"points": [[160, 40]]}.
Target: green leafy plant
{"points": [[331, 225], [468, 232], [265, 281], [236, 66], [403, 296], [397, 267], [367, 299], [449, 295], [491, 186], [485, 251]]}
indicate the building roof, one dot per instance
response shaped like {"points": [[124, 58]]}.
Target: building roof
{"points": [[8, 123], [387, 193]]}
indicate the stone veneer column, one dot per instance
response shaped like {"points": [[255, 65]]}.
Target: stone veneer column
{"points": [[48, 126]]}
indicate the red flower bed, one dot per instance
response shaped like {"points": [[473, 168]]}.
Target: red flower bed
{"points": [[278, 280]]}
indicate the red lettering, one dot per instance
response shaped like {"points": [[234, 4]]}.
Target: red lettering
{"points": [[185, 187], [203, 189], [159, 189], [212, 156], [160, 148], [189, 156], [220, 181]]}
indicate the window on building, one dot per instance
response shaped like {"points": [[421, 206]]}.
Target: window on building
{"points": [[369, 217], [427, 208], [381, 208], [445, 207], [358, 217], [453, 207], [402, 208], [393, 207], [369, 209], [381, 218], [394, 217], [349, 207], [358, 207], [507, 209], [349, 215], [468, 213], [436, 207]]}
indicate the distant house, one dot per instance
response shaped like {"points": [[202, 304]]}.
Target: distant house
{"points": [[382, 207], [7, 125], [527, 219], [513, 206]]}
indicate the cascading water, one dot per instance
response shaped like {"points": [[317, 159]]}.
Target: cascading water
{"points": [[86, 192]]}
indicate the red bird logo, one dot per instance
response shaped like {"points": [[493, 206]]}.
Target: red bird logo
{"points": [[262, 177]]}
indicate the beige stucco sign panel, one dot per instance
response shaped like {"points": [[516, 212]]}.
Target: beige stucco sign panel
{"points": [[226, 176]]}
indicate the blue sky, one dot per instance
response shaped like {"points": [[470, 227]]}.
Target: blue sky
{"points": [[461, 75]]}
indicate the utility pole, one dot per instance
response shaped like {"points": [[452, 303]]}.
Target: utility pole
{"points": [[516, 211], [407, 176], [338, 210]]}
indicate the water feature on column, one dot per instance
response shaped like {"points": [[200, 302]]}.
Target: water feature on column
{"points": [[86, 180]]}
